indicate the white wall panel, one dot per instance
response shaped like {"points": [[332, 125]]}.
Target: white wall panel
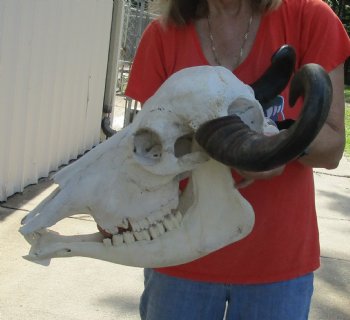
{"points": [[53, 61]]}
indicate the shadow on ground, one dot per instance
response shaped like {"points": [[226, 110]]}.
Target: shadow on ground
{"points": [[127, 304], [331, 299], [26, 200], [337, 202]]}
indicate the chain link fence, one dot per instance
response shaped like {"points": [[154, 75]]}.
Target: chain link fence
{"points": [[137, 15]]}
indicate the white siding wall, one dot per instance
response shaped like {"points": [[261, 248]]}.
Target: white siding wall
{"points": [[53, 60]]}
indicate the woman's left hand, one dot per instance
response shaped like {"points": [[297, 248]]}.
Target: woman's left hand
{"points": [[249, 176]]}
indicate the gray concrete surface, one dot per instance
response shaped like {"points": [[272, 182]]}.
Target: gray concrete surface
{"points": [[332, 282], [81, 288]]}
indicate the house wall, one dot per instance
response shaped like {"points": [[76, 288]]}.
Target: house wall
{"points": [[53, 61]]}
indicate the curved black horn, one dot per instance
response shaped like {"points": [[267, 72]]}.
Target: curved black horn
{"points": [[277, 76], [233, 143]]}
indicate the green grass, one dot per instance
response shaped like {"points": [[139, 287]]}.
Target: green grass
{"points": [[347, 94], [347, 129]]}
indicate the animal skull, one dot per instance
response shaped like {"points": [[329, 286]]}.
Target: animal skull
{"points": [[129, 183]]}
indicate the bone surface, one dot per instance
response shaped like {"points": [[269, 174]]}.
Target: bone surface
{"points": [[129, 183]]}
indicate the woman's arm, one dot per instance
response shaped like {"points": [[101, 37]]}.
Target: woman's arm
{"points": [[327, 148]]}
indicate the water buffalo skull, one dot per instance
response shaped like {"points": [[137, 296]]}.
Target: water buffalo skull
{"points": [[200, 122]]}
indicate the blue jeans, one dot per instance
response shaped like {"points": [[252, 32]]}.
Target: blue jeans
{"points": [[170, 298]]}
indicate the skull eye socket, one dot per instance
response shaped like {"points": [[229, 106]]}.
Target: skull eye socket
{"points": [[183, 145], [147, 146], [242, 105], [248, 110]]}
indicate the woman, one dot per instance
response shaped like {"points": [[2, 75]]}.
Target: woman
{"points": [[269, 274]]}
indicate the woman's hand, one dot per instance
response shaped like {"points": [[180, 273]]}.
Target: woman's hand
{"points": [[249, 176]]}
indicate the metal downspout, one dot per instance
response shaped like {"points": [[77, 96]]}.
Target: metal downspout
{"points": [[112, 66]]}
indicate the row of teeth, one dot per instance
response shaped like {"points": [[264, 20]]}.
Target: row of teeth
{"points": [[146, 230]]}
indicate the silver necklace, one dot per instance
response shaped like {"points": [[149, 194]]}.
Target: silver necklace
{"points": [[241, 51]]}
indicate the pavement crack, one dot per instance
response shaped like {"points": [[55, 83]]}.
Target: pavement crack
{"points": [[14, 208], [336, 219], [332, 174], [336, 259]]}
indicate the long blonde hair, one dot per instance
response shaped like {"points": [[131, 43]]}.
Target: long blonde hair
{"points": [[182, 11]]}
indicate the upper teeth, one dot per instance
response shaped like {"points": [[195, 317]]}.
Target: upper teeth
{"points": [[124, 224], [136, 226], [147, 229]]}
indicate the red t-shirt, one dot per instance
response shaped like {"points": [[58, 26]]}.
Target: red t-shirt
{"points": [[284, 242]]}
